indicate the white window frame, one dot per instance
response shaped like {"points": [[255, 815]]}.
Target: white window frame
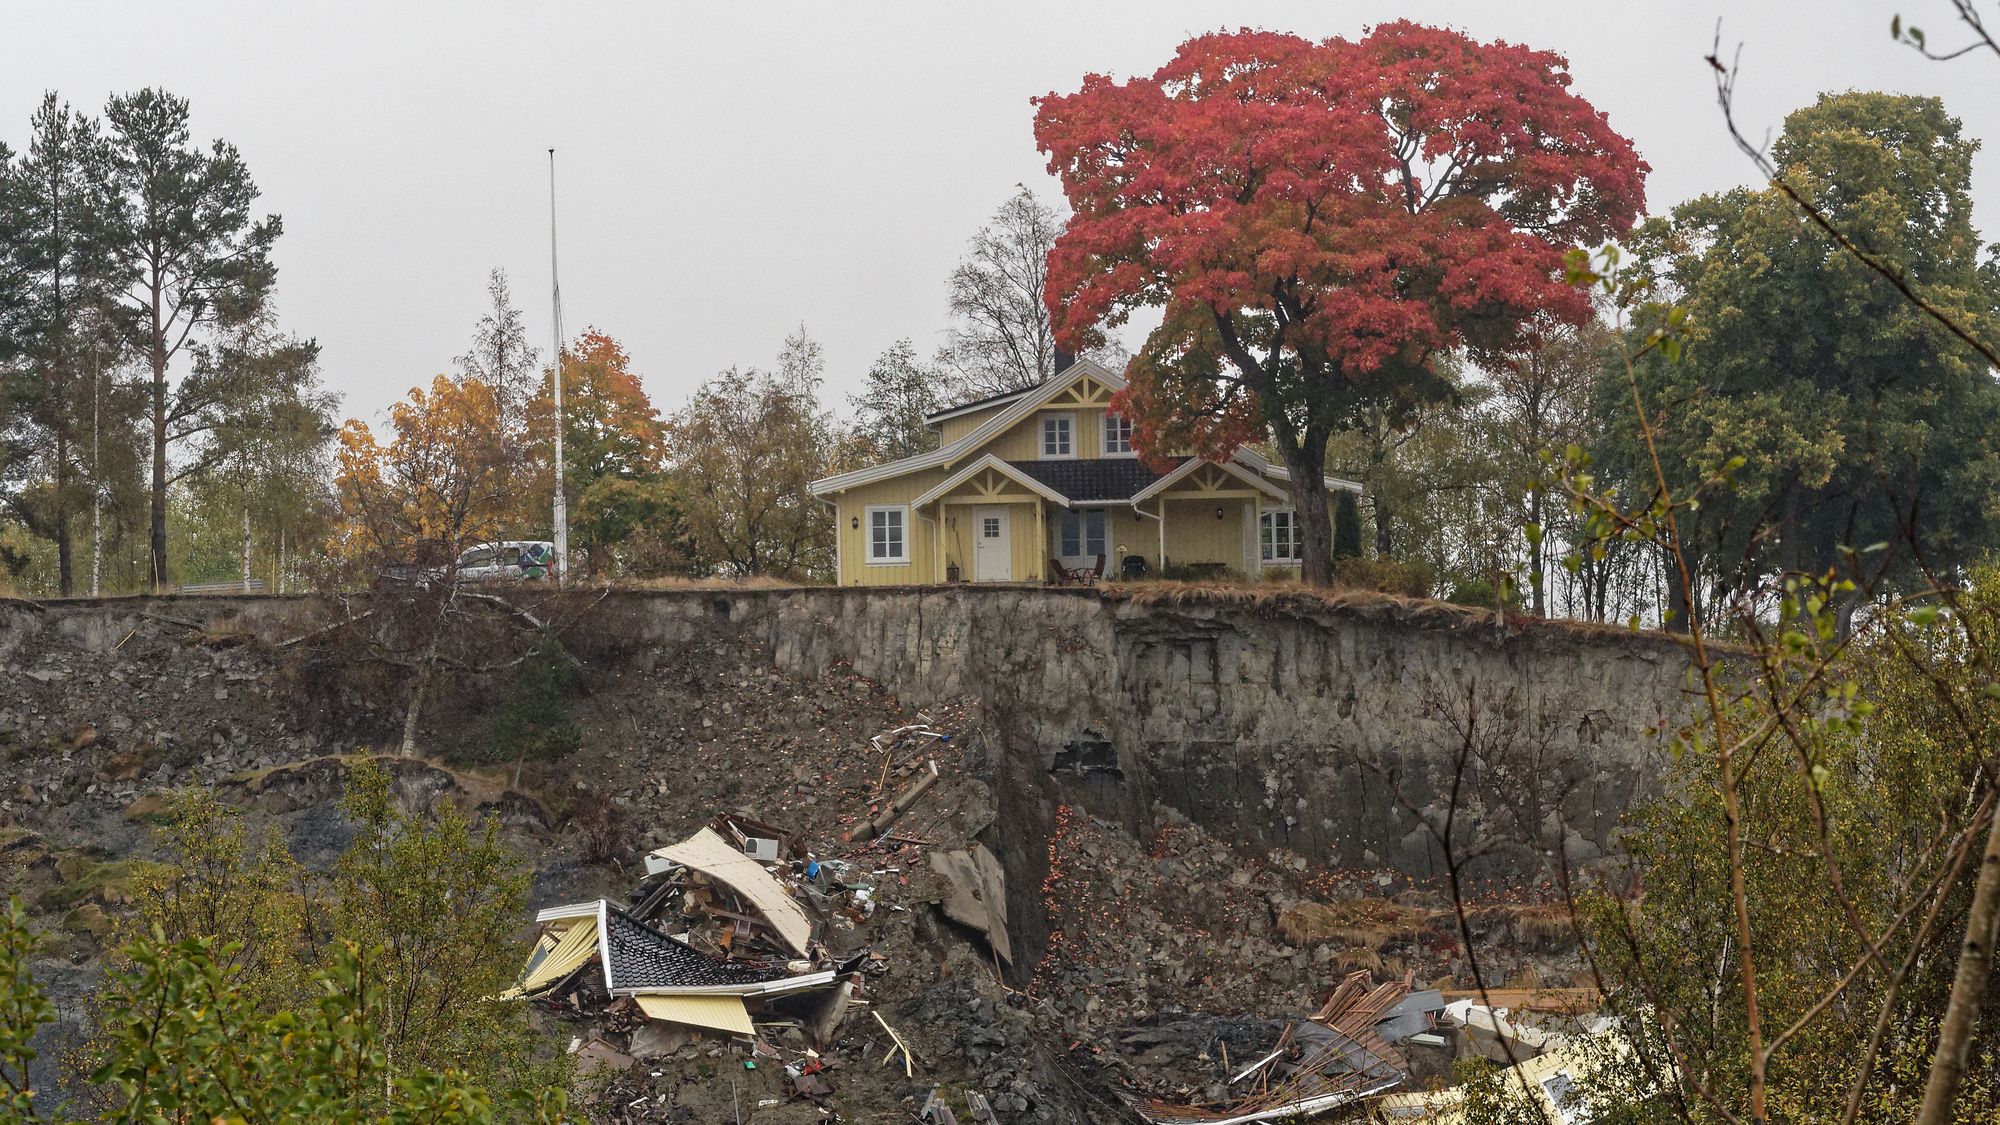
{"points": [[1082, 517], [868, 535], [1267, 545], [1110, 417], [1068, 419]]}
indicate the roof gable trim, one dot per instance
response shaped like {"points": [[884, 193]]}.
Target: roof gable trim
{"points": [[990, 461]]}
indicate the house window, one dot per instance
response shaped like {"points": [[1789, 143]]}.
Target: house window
{"points": [[888, 540], [990, 527], [1278, 534], [1057, 436], [1082, 533], [1117, 434]]}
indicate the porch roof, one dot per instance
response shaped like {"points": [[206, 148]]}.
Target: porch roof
{"points": [[1112, 479]]}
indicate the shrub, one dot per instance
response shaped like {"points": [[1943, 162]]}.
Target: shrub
{"points": [[1410, 579]]}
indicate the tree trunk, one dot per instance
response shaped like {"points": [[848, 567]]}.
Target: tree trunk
{"points": [[96, 483], [158, 521], [1680, 596], [1968, 987], [417, 690], [246, 545], [96, 538], [1381, 509], [1311, 509], [65, 550], [1539, 603], [157, 356]]}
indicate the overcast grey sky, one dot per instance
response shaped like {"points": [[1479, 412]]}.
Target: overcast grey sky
{"points": [[728, 171]]}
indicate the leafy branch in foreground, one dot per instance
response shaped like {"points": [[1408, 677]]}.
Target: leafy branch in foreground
{"points": [[1814, 852]]}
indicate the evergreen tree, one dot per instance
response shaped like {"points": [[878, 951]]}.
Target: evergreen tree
{"points": [[1346, 527], [501, 355], [192, 257], [53, 226]]}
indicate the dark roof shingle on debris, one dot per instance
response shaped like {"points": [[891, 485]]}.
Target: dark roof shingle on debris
{"points": [[1106, 478], [642, 957]]}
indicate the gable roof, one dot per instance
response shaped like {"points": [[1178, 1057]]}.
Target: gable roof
{"points": [[986, 431], [1020, 404], [1247, 475], [1008, 469], [639, 956]]}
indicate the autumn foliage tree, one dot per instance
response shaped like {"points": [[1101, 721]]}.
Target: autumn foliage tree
{"points": [[1317, 222], [745, 450], [442, 478], [626, 518]]}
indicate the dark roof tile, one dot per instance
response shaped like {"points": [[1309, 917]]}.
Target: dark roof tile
{"points": [[642, 957], [978, 402], [1104, 478]]}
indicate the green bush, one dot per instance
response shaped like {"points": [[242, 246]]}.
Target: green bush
{"points": [[536, 720], [1479, 592]]}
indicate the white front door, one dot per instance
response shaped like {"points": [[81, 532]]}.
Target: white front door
{"points": [[992, 546]]}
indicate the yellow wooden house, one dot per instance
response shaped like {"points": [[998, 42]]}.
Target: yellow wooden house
{"points": [[1047, 476]]}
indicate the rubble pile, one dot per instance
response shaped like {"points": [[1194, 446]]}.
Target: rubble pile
{"points": [[1185, 922], [807, 965], [777, 898]]}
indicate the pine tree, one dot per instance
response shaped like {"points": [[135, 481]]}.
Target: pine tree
{"points": [[192, 257]]}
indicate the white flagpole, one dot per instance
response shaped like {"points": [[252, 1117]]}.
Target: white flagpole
{"points": [[555, 300]]}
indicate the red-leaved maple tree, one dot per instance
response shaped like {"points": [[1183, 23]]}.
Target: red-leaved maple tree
{"points": [[1317, 222]]}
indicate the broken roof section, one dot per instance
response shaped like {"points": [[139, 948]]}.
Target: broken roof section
{"points": [[637, 959], [709, 854]]}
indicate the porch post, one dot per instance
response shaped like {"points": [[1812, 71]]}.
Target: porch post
{"points": [[1163, 532], [1041, 540]]}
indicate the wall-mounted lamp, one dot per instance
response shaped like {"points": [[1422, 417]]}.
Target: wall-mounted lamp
{"points": [[856, 523], [1218, 511]]}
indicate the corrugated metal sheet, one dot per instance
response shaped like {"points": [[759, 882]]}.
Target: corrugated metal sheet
{"points": [[722, 1013], [711, 855]]}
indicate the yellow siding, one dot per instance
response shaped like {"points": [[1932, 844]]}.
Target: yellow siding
{"points": [[1194, 535], [1023, 440], [1020, 442], [951, 429], [722, 1013], [853, 505], [1030, 560]]}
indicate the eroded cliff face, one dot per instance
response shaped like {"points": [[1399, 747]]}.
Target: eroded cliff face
{"points": [[1355, 732]]}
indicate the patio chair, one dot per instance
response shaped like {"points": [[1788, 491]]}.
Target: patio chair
{"points": [[1075, 575]]}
